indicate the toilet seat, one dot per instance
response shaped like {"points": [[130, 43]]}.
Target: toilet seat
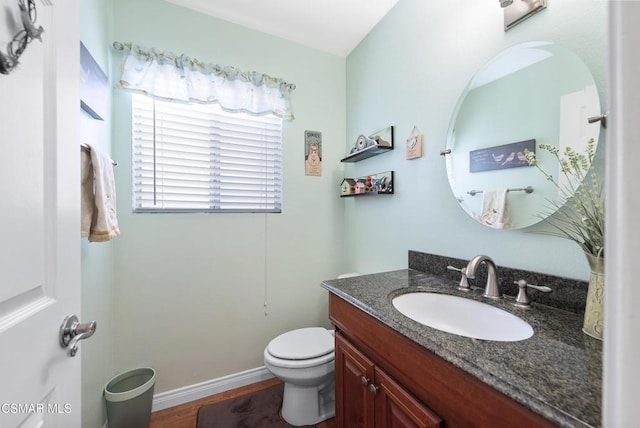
{"points": [[302, 344], [305, 347], [297, 364]]}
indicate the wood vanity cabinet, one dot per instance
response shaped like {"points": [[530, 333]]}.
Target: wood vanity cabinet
{"points": [[367, 397], [384, 379]]}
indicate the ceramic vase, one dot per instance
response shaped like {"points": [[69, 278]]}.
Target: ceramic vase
{"points": [[595, 297]]}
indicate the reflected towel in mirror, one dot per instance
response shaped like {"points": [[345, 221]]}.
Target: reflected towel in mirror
{"points": [[495, 210]]}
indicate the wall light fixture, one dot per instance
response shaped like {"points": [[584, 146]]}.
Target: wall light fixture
{"points": [[516, 11]]}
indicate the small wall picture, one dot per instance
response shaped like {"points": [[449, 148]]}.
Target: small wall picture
{"points": [[93, 86], [414, 144], [313, 153]]}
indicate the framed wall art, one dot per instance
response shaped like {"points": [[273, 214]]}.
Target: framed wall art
{"points": [[312, 153], [94, 86], [501, 157]]}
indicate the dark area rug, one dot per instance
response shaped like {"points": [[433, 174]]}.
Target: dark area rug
{"points": [[260, 409]]}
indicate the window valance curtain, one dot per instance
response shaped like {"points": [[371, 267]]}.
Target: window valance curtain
{"points": [[170, 77]]}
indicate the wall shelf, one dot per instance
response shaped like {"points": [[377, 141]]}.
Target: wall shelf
{"points": [[366, 153], [370, 185], [382, 143], [366, 194]]}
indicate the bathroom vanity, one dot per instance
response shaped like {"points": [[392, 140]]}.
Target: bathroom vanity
{"points": [[393, 371]]}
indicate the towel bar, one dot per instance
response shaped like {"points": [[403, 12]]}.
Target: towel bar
{"points": [[527, 189], [84, 146]]}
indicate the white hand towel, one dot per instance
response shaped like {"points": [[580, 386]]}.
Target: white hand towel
{"points": [[495, 212], [87, 202], [104, 225]]}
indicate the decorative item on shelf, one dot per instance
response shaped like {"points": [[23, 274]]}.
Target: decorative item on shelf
{"points": [[348, 186], [375, 144], [414, 144], [362, 143], [375, 184], [581, 220], [18, 44], [313, 153], [361, 187]]}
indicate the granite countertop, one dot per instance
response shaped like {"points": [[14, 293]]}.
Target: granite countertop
{"points": [[555, 373]]}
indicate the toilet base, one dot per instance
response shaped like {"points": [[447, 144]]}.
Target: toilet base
{"points": [[308, 405]]}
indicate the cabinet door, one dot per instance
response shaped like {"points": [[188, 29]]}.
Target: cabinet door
{"points": [[354, 374], [397, 408]]}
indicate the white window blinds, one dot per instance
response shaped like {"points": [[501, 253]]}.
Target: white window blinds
{"points": [[199, 158]]}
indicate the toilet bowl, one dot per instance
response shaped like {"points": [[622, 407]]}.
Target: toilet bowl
{"points": [[304, 360]]}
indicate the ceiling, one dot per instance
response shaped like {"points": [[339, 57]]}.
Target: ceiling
{"points": [[333, 26]]}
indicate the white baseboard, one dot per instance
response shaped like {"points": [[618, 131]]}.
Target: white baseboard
{"points": [[197, 391]]}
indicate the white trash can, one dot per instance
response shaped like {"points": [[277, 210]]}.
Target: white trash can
{"points": [[129, 397]]}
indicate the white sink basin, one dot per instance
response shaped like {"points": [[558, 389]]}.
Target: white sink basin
{"points": [[461, 316]]}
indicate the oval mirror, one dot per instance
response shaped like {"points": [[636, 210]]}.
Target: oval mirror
{"points": [[530, 94]]}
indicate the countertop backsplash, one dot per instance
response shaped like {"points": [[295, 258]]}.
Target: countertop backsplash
{"points": [[568, 294]]}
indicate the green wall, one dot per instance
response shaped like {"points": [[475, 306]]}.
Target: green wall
{"points": [[190, 288], [98, 268], [410, 70]]}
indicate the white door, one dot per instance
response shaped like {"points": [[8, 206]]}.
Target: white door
{"points": [[39, 218]]}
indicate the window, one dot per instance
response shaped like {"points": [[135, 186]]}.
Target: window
{"points": [[199, 158]]}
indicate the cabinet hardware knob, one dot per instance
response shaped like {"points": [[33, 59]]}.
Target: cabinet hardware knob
{"points": [[373, 389], [364, 381]]}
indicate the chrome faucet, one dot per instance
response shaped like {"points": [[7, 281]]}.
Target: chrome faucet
{"points": [[491, 290]]}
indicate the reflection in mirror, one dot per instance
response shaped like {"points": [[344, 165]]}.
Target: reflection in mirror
{"points": [[530, 94]]}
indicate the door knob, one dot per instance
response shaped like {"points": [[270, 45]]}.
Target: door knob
{"points": [[71, 332]]}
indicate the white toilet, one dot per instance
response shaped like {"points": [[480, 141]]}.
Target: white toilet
{"points": [[303, 359]]}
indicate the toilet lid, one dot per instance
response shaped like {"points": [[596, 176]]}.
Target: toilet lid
{"points": [[302, 344]]}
